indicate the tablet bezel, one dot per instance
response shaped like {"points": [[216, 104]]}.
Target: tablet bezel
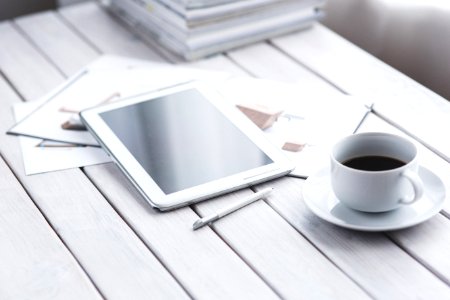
{"points": [[145, 183]]}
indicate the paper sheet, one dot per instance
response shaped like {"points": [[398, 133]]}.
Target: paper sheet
{"points": [[43, 156], [315, 119]]}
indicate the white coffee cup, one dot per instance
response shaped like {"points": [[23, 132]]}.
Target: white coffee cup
{"points": [[375, 172]]}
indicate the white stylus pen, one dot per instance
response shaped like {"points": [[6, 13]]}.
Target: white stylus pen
{"points": [[233, 207]]}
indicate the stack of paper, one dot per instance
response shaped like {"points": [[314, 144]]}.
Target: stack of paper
{"points": [[195, 28]]}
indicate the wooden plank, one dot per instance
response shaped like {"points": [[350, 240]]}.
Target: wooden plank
{"points": [[254, 59], [429, 242], [103, 31], [190, 256], [279, 253], [270, 267], [58, 41], [31, 87], [379, 266], [205, 265], [116, 260], [33, 259], [397, 97], [217, 63]]}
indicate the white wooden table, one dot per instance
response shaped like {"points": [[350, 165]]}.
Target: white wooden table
{"points": [[86, 233]]}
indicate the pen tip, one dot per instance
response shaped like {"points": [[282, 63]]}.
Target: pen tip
{"points": [[197, 224]]}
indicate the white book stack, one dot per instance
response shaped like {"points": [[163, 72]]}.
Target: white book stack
{"points": [[196, 28]]}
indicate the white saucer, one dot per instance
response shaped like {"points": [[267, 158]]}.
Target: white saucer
{"points": [[319, 197]]}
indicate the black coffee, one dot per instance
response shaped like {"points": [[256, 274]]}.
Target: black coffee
{"points": [[373, 163]]}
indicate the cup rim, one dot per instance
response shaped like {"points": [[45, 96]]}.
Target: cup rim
{"points": [[405, 166]]}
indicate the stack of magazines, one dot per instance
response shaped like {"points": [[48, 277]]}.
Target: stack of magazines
{"points": [[196, 28]]}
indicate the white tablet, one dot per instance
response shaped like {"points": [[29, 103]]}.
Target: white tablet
{"points": [[184, 144]]}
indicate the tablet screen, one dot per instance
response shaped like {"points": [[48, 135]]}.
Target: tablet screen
{"points": [[182, 140]]}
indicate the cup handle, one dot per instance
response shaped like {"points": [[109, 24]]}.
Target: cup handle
{"points": [[417, 185]]}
